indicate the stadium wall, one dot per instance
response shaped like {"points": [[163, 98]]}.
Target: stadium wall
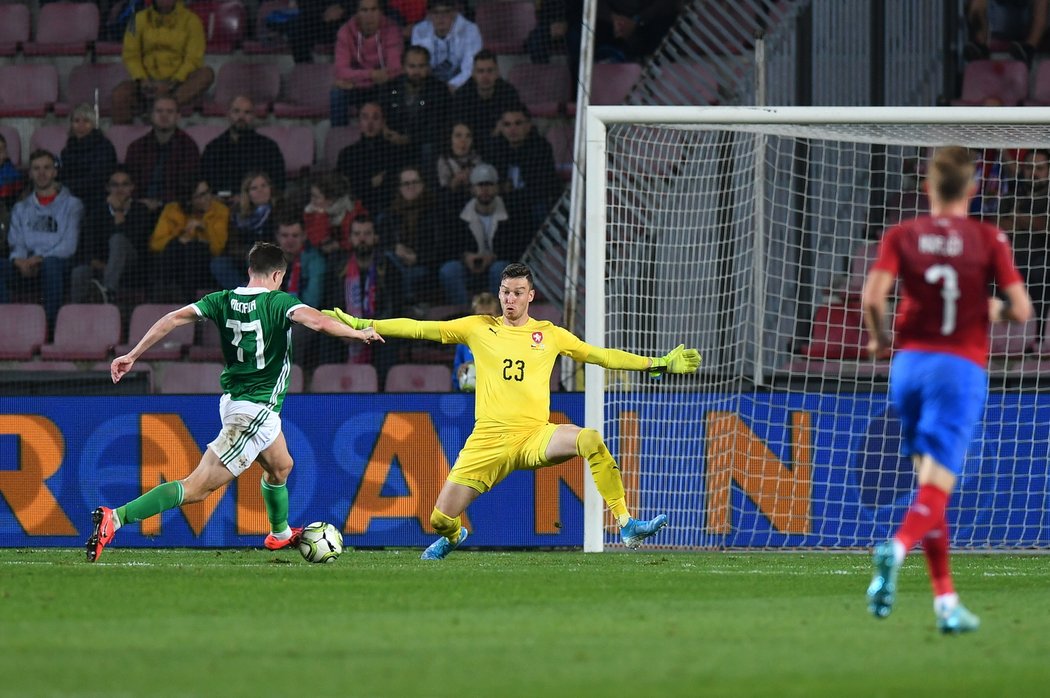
{"points": [[779, 470]]}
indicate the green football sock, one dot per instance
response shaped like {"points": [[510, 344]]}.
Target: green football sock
{"points": [[160, 498], [276, 499]]}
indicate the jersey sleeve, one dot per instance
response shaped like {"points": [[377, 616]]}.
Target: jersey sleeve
{"points": [[286, 302], [210, 306], [457, 331], [888, 258]]}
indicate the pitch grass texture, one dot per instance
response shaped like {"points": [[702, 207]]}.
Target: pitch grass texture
{"points": [[548, 624]]}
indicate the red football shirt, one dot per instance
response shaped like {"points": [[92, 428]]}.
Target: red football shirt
{"points": [[947, 266]]}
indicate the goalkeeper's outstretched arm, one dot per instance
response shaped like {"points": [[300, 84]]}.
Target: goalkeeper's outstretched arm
{"points": [[678, 360], [406, 328]]}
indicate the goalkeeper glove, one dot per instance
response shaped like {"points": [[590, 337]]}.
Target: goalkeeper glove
{"points": [[678, 360], [347, 319]]}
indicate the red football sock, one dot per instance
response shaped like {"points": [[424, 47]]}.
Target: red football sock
{"points": [[935, 546], [926, 513]]}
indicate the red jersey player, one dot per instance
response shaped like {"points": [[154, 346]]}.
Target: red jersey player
{"points": [[946, 263]]}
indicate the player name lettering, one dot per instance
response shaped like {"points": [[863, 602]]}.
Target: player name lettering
{"points": [[950, 246], [242, 307]]}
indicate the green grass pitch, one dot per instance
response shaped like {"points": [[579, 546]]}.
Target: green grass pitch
{"points": [[547, 624]]}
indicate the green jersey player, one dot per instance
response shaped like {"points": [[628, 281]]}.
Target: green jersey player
{"points": [[255, 324]]}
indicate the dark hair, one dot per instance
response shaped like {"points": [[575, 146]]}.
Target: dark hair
{"points": [[517, 270], [516, 107], [363, 218], [415, 48], [120, 169], [332, 184], [41, 153], [485, 54], [431, 4], [265, 258], [285, 213]]}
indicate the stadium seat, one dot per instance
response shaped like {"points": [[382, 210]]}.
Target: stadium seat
{"points": [[686, 83], [561, 136], [1010, 340], [64, 29], [838, 332], [296, 381], [419, 378], [203, 134], [304, 94], [84, 332], [446, 312], [15, 24], [505, 24], [544, 88], [337, 138], [260, 81], [207, 347], [225, 23], [344, 378], [168, 349], [1000, 82], [25, 330], [265, 40], [27, 89], [91, 82], [51, 138], [139, 367], [36, 365], [296, 144], [612, 82], [177, 377], [123, 135], [1040, 86], [14, 143]]}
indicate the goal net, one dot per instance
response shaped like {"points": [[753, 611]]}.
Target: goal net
{"points": [[747, 232]]}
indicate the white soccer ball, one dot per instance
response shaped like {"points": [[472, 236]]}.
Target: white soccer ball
{"points": [[468, 377], [321, 542]]}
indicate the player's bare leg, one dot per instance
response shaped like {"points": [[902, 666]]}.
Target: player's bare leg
{"points": [[277, 463], [569, 441], [451, 503]]}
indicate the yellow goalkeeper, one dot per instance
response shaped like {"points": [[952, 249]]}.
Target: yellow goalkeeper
{"points": [[515, 355]]}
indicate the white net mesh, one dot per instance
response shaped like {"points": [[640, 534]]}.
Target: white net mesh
{"points": [[751, 242]]}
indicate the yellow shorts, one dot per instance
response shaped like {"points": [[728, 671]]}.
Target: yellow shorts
{"points": [[489, 457]]}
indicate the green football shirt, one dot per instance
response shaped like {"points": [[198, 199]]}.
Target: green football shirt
{"points": [[256, 339]]}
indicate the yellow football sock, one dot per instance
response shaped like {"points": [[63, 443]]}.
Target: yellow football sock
{"points": [[445, 525], [606, 473]]}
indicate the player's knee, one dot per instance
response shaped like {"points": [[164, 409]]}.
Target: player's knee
{"points": [[442, 524], [589, 442]]}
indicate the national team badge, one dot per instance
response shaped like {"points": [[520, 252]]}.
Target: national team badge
{"points": [[537, 340]]}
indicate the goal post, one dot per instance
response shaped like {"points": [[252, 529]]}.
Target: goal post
{"points": [[746, 232]]}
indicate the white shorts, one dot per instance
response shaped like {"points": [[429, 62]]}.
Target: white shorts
{"points": [[247, 429]]}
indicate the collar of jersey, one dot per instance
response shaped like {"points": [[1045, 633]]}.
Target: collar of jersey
{"points": [[250, 290]]}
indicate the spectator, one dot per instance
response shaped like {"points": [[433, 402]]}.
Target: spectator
{"points": [[630, 30], [252, 222], [367, 281], [416, 105], [190, 233], [164, 54], [305, 278], [483, 303], [488, 239], [165, 162], [114, 237], [87, 159], [411, 229], [484, 97], [11, 180], [454, 166], [525, 163], [43, 236], [549, 32], [241, 149], [315, 22], [117, 19], [452, 40], [370, 163], [1021, 22], [407, 13], [367, 55], [1029, 202], [329, 213]]}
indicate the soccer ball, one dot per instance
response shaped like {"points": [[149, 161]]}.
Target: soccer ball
{"points": [[468, 377], [321, 542]]}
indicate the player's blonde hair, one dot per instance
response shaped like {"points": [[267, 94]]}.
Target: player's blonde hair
{"points": [[951, 173], [485, 304]]}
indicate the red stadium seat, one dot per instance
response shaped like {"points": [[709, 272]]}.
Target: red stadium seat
{"points": [[91, 83], [344, 378], [337, 138], [51, 138], [505, 24], [612, 82], [203, 134], [168, 349], [838, 333], [177, 377], [123, 135], [84, 332], [544, 88], [15, 24], [296, 144], [1040, 86], [993, 83], [225, 23], [27, 89], [25, 330], [14, 143], [561, 136], [1009, 340], [208, 344], [419, 378], [305, 92], [64, 29], [260, 81]]}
